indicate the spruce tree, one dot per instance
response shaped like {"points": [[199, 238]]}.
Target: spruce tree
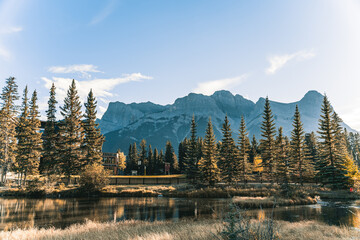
{"points": [[150, 161], [71, 134], [48, 161], [8, 122], [182, 149], [253, 151], [228, 156], [170, 157], [267, 142], [23, 131], [143, 157], [35, 140], [284, 170], [192, 154], [134, 156], [160, 162], [299, 161], [244, 168], [208, 163], [330, 163], [312, 154], [93, 139]]}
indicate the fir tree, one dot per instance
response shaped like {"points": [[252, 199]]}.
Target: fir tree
{"points": [[71, 134], [134, 159], [183, 145], [93, 139], [157, 163], [150, 161], [332, 167], [208, 166], [297, 148], [192, 154], [35, 140], [8, 122], [228, 154], [23, 131], [244, 165], [284, 169], [268, 143], [170, 157], [50, 156], [143, 157], [160, 162], [312, 154], [254, 151]]}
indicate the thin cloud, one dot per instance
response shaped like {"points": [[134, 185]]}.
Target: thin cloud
{"points": [[84, 69], [104, 13], [210, 87], [101, 87], [278, 61]]}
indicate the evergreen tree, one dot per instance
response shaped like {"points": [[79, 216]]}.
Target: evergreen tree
{"points": [[183, 148], [300, 163], [160, 162], [192, 154], [23, 131], [134, 156], [244, 165], [332, 166], [150, 161], [312, 154], [284, 169], [143, 157], [209, 170], [35, 140], [268, 143], [170, 157], [157, 164], [228, 154], [71, 134], [8, 122], [254, 151], [93, 139], [50, 156]]}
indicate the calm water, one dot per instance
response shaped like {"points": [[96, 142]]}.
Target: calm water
{"points": [[64, 212]]}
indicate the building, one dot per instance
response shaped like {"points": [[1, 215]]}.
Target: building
{"points": [[111, 162]]}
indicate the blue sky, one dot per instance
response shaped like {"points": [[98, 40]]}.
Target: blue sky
{"points": [[159, 50]]}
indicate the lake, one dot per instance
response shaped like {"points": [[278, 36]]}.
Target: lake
{"points": [[60, 213]]}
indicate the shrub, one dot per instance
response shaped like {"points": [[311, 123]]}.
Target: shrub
{"points": [[93, 178]]}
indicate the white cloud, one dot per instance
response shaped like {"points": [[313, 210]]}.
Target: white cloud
{"points": [[105, 12], [101, 87], [84, 69], [210, 87], [279, 61]]}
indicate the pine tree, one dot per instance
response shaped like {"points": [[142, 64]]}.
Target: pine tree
{"points": [[268, 143], [35, 140], [254, 151], [71, 134], [208, 167], [50, 156], [23, 131], [192, 154], [170, 157], [160, 162], [284, 170], [299, 161], [93, 139], [150, 161], [143, 157], [228, 159], [312, 154], [182, 149], [8, 122], [244, 165], [332, 166], [134, 159]]}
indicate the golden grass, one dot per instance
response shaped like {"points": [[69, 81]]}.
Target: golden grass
{"points": [[268, 202], [203, 229]]}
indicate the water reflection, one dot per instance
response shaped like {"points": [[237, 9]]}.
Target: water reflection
{"points": [[24, 213]]}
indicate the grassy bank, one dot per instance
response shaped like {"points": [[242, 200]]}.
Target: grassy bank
{"points": [[180, 230], [269, 202]]}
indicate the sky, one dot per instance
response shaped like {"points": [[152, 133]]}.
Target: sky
{"points": [[160, 50]]}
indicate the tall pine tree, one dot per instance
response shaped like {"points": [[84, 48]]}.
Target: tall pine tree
{"points": [[71, 134], [284, 170], [93, 139], [192, 154], [208, 166], [268, 131], [244, 167]]}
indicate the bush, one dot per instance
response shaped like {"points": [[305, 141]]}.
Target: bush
{"points": [[93, 178]]}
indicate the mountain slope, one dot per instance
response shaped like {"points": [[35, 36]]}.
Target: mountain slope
{"points": [[123, 124]]}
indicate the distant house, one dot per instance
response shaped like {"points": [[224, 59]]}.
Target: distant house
{"points": [[111, 162]]}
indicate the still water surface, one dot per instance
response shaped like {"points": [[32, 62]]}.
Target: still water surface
{"points": [[60, 213]]}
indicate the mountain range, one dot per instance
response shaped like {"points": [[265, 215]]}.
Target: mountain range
{"points": [[123, 124]]}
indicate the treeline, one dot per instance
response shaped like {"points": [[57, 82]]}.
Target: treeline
{"points": [[65, 146], [329, 157]]}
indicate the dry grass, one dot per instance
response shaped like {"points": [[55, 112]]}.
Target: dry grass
{"points": [[269, 202], [207, 229]]}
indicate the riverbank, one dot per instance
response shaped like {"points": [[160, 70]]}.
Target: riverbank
{"points": [[206, 229]]}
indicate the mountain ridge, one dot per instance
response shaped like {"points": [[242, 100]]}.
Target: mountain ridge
{"points": [[123, 123]]}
